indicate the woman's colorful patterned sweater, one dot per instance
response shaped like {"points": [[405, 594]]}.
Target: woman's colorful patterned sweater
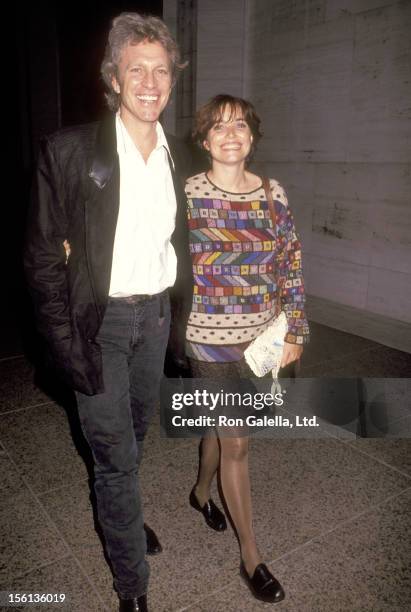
{"points": [[237, 267]]}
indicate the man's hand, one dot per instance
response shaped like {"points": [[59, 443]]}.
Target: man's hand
{"points": [[291, 352]]}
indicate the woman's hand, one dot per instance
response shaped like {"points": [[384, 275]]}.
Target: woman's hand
{"points": [[67, 249], [291, 352]]}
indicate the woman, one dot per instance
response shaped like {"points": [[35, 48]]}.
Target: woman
{"points": [[238, 263]]}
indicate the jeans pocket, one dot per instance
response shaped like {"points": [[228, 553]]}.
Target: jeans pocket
{"points": [[164, 308]]}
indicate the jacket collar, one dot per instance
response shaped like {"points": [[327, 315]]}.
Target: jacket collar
{"points": [[105, 153]]}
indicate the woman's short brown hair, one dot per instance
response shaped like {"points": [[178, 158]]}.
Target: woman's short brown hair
{"points": [[212, 112]]}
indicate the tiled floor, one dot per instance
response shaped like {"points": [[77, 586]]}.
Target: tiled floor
{"points": [[332, 512]]}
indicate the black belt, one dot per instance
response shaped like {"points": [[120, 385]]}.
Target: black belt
{"points": [[132, 299], [135, 299]]}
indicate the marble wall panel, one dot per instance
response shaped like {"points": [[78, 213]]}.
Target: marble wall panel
{"points": [[341, 229], [273, 42], [265, 39], [280, 133], [357, 219], [302, 91], [389, 294], [322, 90], [220, 47], [287, 15], [355, 181], [380, 127], [274, 97], [211, 87], [339, 8], [391, 236], [331, 82], [342, 211], [339, 281], [213, 8], [394, 182], [391, 242], [221, 63]]}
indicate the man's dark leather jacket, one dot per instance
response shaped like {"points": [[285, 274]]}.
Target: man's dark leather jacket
{"points": [[76, 198]]}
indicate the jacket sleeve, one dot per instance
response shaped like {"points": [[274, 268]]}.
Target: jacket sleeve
{"points": [[44, 257], [181, 293], [289, 271]]}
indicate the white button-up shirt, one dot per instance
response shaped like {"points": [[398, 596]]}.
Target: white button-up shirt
{"points": [[144, 260]]}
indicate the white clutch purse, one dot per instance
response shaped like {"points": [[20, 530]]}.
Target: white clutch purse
{"points": [[264, 354]]}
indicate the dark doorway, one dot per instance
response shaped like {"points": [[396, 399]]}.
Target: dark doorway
{"points": [[58, 48]]}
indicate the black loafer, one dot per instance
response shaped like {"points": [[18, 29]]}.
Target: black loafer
{"points": [[137, 604], [262, 584], [153, 544], [212, 515]]}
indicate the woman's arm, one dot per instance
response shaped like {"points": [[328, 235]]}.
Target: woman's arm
{"points": [[290, 279]]}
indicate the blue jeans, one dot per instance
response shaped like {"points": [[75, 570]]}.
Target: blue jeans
{"points": [[133, 339]]}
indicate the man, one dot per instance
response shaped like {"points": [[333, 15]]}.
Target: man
{"points": [[107, 239]]}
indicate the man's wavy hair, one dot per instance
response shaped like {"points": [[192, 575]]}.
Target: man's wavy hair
{"points": [[132, 28]]}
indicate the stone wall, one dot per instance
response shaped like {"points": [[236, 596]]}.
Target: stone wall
{"points": [[331, 81]]}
